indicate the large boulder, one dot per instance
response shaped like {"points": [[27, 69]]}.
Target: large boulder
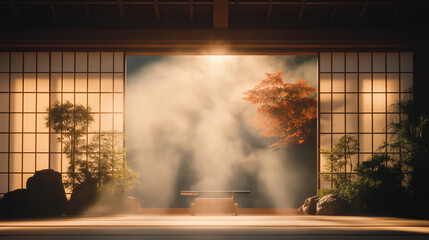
{"points": [[83, 196], [16, 204], [47, 193], [309, 206], [331, 204]]}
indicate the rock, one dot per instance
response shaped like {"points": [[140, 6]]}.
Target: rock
{"points": [[300, 210], [331, 204], [16, 204], [44, 196], [309, 206], [47, 193], [83, 197]]}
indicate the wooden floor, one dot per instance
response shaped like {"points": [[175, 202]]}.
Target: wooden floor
{"points": [[241, 211], [216, 227]]}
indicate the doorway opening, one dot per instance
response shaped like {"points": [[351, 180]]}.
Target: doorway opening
{"points": [[191, 125]]}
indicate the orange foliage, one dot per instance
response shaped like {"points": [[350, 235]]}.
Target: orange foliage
{"points": [[286, 110]]}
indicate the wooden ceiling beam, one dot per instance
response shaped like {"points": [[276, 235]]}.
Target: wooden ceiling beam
{"points": [[171, 40], [54, 13], [220, 14], [85, 6], [397, 9], [121, 10], [363, 11], [236, 2], [156, 6], [191, 10], [301, 10], [269, 9], [15, 11], [334, 9]]}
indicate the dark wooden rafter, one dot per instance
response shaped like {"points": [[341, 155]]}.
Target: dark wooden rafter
{"points": [[220, 14], [235, 2], [301, 10], [397, 9], [334, 9], [121, 10], [85, 6], [54, 13], [269, 9], [363, 11], [396, 5], [15, 11], [191, 10], [156, 6]]}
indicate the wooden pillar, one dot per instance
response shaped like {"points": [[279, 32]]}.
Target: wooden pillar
{"points": [[220, 14]]}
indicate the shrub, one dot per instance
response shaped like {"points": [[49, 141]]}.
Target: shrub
{"points": [[339, 158], [378, 185], [411, 141], [102, 160]]}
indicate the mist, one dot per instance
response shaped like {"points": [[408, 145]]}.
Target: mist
{"points": [[188, 128]]}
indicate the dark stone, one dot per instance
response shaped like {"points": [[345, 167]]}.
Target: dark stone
{"points": [[309, 206], [47, 193], [331, 204], [83, 196], [16, 204], [300, 210]]}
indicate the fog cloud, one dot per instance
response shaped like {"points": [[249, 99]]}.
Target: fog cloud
{"points": [[188, 128]]}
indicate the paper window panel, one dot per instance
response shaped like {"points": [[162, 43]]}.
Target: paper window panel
{"points": [[378, 62], [107, 62], [43, 82], [15, 162], [119, 62], [325, 82], [16, 63], [42, 161], [325, 102], [4, 61], [43, 62], [392, 62], [4, 122], [94, 62], [325, 62], [338, 123], [56, 61], [365, 62], [365, 123], [325, 123], [81, 62], [406, 61], [68, 61], [351, 62], [4, 82], [16, 82], [338, 61], [352, 123]]}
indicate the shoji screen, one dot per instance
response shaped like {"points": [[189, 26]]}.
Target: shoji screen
{"points": [[356, 90], [30, 82]]}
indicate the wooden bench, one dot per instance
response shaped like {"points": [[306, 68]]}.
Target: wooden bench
{"points": [[213, 205]]}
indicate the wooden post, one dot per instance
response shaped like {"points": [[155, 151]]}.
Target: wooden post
{"points": [[220, 14]]}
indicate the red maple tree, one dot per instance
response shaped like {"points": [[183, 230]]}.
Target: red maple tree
{"points": [[286, 110]]}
